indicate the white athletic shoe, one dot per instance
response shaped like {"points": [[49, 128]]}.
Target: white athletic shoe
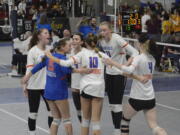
{"points": [[14, 73], [116, 132]]}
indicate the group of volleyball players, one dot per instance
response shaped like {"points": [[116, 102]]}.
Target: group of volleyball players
{"points": [[92, 73]]}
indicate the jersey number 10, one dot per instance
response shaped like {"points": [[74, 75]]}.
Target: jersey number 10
{"points": [[93, 62]]}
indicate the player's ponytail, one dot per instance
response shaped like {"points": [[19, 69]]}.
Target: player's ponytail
{"points": [[91, 40], [148, 44]]}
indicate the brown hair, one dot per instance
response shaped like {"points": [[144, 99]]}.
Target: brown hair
{"points": [[92, 40], [34, 40], [60, 43]]}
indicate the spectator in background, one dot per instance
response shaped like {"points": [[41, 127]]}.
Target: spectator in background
{"points": [[49, 10], [166, 29], [87, 26], [176, 21], [44, 23], [19, 58], [40, 13], [146, 16], [66, 33], [154, 27], [174, 52], [22, 6], [32, 10], [55, 37]]}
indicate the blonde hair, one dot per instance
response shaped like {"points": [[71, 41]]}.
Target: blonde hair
{"points": [[107, 24]]}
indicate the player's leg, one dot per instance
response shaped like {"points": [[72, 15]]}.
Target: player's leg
{"points": [[77, 102], [96, 115], [56, 118], [33, 101], [50, 117], [152, 122], [63, 106], [115, 85], [129, 110], [86, 113]]}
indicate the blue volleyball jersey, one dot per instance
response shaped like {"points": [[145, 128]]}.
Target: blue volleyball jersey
{"points": [[56, 79]]}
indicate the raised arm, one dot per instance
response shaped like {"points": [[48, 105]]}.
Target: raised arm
{"points": [[66, 63]]}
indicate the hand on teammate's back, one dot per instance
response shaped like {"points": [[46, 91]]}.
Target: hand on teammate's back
{"points": [[48, 54]]}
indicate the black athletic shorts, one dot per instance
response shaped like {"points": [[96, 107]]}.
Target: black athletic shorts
{"points": [[139, 105], [115, 86], [87, 96]]}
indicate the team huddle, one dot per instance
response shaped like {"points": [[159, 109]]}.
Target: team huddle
{"points": [[97, 65]]}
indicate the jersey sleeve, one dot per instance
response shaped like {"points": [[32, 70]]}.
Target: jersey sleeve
{"points": [[38, 67], [129, 49], [30, 62], [130, 69], [72, 60]]}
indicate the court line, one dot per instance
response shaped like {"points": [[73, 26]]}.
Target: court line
{"points": [[23, 120]]}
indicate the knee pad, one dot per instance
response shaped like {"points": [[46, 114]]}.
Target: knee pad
{"points": [[56, 121], [125, 125], [33, 116], [67, 121], [155, 130], [96, 125], [85, 123], [116, 107]]}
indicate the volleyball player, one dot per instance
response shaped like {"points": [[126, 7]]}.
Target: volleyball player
{"points": [[117, 49], [75, 77], [35, 87], [142, 97]]}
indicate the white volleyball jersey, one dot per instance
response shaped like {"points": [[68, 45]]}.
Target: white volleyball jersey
{"points": [[37, 81], [142, 65], [117, 48], [75, 77], [93, 83]]}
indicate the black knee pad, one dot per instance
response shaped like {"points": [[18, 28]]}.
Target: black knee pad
{"points": [[125, 125]]}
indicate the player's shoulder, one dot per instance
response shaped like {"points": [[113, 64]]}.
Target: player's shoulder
{"points": [[115, 35], [33, 49]]}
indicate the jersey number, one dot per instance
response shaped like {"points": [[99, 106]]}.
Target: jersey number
{"points": [[108, 53], [93, 62], [51, 65], [150, 66]]}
